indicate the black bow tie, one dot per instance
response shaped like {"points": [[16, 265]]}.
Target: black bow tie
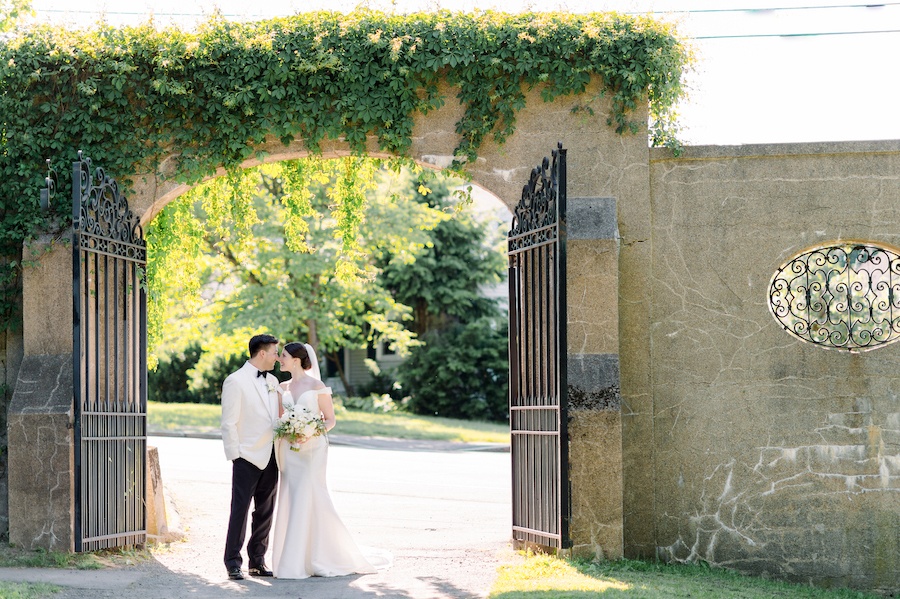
{"points": [[260, 373]]}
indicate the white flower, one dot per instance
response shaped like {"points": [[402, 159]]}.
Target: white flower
{"points": [[298, 425]]}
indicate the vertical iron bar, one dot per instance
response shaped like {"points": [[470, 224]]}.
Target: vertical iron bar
{"points": [[562, 351], [76, 351], [513, 379], [142, 390]]}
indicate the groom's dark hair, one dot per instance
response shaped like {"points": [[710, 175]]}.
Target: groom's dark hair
{"points": [[257, 342], [298, 350]]}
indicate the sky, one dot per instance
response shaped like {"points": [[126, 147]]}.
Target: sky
{"points": [[768, 71]]}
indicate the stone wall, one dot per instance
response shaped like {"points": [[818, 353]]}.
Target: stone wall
{"points": [[41, 456], [754, 450]]}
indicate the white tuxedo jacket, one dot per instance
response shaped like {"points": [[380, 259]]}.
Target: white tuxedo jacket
{"points": [[249, 413]]}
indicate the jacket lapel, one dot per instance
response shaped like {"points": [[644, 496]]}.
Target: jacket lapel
{"points": [[261, 390]]}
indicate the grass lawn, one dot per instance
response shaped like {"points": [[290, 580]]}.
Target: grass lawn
{"points": [[27, 590], [204, 418], [16, 557], [548, 577]]}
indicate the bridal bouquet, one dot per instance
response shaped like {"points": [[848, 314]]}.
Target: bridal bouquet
{"points": [[298, 425]]}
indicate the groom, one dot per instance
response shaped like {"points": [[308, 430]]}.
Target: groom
{"points": [[249, 411]]}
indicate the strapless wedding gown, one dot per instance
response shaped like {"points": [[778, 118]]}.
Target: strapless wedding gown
{"points": [[309, 538]]}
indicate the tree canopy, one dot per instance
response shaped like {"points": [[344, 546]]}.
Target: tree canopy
{"points": [[215, 276]]}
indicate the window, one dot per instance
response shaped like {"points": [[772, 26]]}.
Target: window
{"points": [[384, 352]]}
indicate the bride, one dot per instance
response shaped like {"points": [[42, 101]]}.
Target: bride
{"points": [[309, 538]]}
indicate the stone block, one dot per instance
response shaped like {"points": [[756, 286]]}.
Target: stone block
{"points": [[41, 457], [593, 381], [591, 218], [592, 290], [157, 523], [595, 472], [47, 297]]}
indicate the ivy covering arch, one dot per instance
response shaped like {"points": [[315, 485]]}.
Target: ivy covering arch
{"points": [[129, 97]]}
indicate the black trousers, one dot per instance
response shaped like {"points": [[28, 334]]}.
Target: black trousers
{"points": [[250, 483]]}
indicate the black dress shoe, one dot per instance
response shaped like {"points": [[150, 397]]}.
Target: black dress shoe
{"points": [[235, 574], [260, 570]]}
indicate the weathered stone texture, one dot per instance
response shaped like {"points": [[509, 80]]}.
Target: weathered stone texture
{"points": [[47, 296], [637, 399], [771, 455], [41, 458], [593, 305], [595, 450], [595, 464]]}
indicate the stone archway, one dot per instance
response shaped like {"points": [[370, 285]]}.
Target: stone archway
{"points": [[608, 173]]}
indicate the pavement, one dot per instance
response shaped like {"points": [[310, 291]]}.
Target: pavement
{"points": [[440, 510]]}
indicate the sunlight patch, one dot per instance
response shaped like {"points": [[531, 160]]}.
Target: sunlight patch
{"points": [[549, 573]]}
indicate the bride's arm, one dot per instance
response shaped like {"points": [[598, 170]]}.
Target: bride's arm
{"points": [[327, 406], [281, 388]]}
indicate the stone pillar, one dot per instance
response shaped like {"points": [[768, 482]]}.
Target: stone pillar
{"points": [[40, 420], [595, 424]]}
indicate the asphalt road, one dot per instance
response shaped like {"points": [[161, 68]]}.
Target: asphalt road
{"points": [[444, 517]]}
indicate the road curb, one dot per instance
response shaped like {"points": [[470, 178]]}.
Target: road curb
{"points": [[385, 443]]}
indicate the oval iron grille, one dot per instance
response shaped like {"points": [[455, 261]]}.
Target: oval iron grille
{"points": [[843, 296]]}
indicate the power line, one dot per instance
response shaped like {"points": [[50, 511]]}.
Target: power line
{"points": [[768, 9], [814, 34]]}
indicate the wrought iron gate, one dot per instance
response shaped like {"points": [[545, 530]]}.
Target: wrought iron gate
{"points": [[110, 324], [537, 358]]}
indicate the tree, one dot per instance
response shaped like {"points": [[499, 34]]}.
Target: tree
{"points": [[276, 263], [445, 283], [460, 370], [169, 382]]}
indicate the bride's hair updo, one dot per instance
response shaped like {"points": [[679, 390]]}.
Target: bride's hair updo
{"points": [[298, 350]]}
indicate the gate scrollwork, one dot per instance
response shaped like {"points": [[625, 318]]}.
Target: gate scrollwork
{"points": [[104, 215], [535, 216]]}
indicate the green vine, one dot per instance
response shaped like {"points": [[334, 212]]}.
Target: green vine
{"points": [[130, 97]]}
